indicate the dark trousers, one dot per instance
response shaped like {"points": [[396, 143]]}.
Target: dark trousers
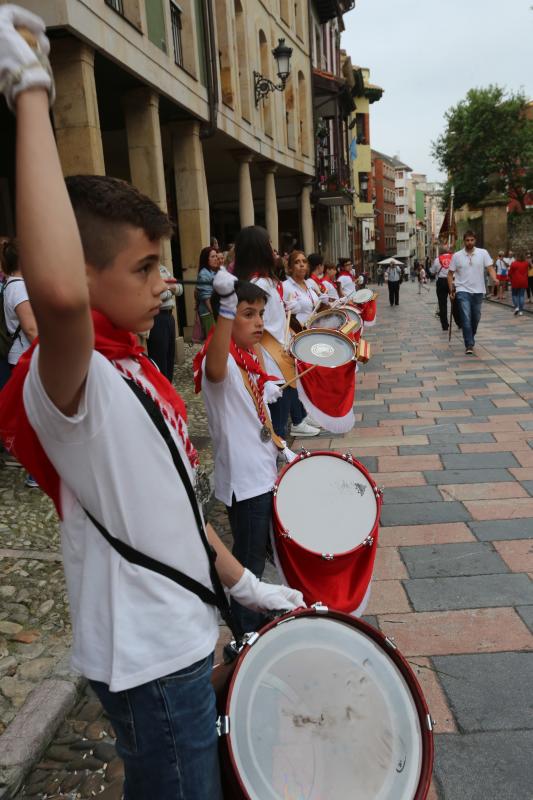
{"points": [[250, 527], [162, 343], [529, 287], [394, 292], [288, 405], [442, 296]]}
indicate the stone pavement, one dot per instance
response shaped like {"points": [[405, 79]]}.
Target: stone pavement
{"points": [[447, 435]]}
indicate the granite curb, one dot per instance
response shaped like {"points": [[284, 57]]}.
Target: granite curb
{"points": [[29, 734]]}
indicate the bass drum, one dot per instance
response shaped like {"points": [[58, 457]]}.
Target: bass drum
{"points": [[322, 705]]}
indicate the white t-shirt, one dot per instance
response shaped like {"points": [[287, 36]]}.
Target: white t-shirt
{"points": [[469, 270], [275, 321], [502, 267], [14, 294], [130, 625], [292, 290], [245, 466], [331, 289], [346, 284]]}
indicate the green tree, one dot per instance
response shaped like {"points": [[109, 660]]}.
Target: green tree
{"points": [[487, 144]]}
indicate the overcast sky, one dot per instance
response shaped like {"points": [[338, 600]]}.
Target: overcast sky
{"points": [[426, 54]]}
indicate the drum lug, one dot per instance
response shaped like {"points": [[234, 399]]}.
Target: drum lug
{"points": [[379, 491], [303, 453], [222, 726], [369, 540], [429, 722], [328, 556], [348, 457], [390, 642], [320, 608], [285, 534], [235, 648]]}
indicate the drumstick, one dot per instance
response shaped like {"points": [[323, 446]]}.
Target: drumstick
{"points": [[287, 329], [284, 386], [28, 37]]}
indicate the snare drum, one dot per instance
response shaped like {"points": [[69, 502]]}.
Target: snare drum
{"points": [[321, 706], [366, 299], [328, 390], [332, 320], [354, 315], [326, 511]]}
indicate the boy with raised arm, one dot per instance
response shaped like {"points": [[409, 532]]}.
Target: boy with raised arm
{"points": [[76, 411]]}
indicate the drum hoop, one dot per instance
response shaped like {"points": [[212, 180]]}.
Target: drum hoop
{"points": [[323, 314], [355, 310], [361, 467], [329, 332], [415, 690]]}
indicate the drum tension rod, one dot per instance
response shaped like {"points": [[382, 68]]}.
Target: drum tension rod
{"points": [[222, 726]]}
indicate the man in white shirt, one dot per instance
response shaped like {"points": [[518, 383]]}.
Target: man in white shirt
{"points": [[394, 275], [469, 265]]}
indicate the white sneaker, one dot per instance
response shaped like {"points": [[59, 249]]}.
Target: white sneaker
{"points": [[520, 313], [515, 312], [304, 429], [312, 422]]}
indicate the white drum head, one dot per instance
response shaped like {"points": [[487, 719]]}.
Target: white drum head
{"points": [[318, 710], [324, 348], [333, 320], [363, 296], [327, 504]]}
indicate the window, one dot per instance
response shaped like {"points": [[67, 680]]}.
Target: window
{"points": [[400, 192], [116, 5], [175, 17], [399, 175]]}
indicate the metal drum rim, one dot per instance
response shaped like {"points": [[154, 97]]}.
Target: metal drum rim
{"points": [[276, 518], [329, 332], [401, 663]]}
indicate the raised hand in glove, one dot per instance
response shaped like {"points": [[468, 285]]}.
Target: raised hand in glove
{"points": [[252, 593], [21, 66], [224, 286], [271, 392], [295, 305]]}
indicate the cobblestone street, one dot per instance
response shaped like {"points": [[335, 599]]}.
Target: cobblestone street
{"points": [[448, 437]]}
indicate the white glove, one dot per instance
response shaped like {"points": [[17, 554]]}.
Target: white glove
{"points": [[22, 67], [252, 593], [324, 299], [271, 392], [224, 286], [295, 305]]}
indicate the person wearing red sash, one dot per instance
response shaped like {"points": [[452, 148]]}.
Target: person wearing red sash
{"points": [[345, 277], [75, 413], [229, 374], [255, 261], [330, 272], [439, 268], [315, 280]]}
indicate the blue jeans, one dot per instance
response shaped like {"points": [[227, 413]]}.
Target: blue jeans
{"points": [[250, 526], [288, 405], [470, 305], [518, 298], [166, 735]]}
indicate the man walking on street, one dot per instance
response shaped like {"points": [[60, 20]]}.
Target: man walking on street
{"points": [[394, 274], [469, 266], [439, 268]]}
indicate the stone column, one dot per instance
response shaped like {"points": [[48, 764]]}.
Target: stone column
{"points": [[246, 198], [192, 201], [271, 203], [494, 223], [306, 218], [145, 152], [76, 118]]}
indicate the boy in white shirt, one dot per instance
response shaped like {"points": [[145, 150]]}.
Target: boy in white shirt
{"points": [[145, 641], [232, 380]]}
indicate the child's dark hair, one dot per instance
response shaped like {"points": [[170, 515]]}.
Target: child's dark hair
{"points": [[246, 293], [314, 260], [102, 205], [253, 253], [9, 257]]}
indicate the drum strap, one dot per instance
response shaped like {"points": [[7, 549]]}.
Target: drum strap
{"points": [[283, 359], [216, 596], [277, 440]]}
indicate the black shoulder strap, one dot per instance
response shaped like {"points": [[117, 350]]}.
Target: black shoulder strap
{"points": [[217, 597]]}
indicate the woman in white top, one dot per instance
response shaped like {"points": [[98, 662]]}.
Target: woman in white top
{"points": [[255, 261], [295, 288], [18, 313]]}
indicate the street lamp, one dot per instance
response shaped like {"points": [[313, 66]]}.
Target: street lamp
{"points": [[282, 53]]}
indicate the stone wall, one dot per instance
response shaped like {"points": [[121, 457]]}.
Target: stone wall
{"points": [[521, 231]]}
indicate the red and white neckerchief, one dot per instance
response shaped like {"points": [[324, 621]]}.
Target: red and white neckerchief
{"points": [[307, 290], [277, 284], [242, 359], [345, 273], [175, 421], [319, 282]]}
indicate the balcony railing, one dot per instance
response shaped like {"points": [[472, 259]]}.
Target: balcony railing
{"points": [[175, 18], [333, 173]]}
